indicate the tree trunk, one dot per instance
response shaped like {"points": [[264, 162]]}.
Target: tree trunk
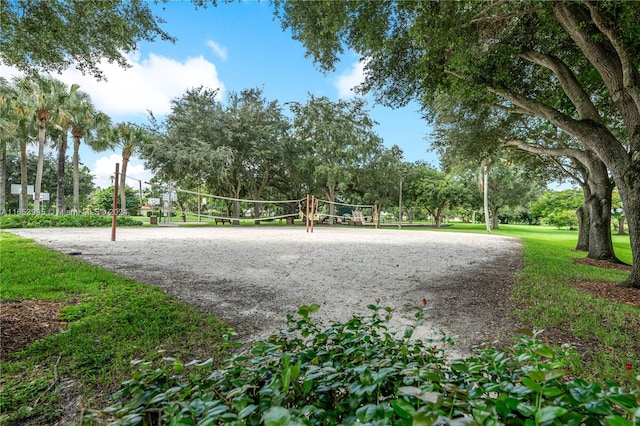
{"points": [[3, 177], [621, 226], [631, 201], [485, 172], [599, 206], [582, 213], [495, 222], [76, 172], [123, 182], [438, 219], [24, 196], [39, 167], [621, 80], [62, 153], [332, 206], [236, 203], [256, 213]]}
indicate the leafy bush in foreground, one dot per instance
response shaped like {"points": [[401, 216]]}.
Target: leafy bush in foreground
{"points": [[51, 220], [360, 372]]}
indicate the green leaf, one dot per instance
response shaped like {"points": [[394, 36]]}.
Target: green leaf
{"points": [[626, 401], [553, 374], [408, 332], [303, 311], [425, 417], [598, 407], [276, 416], [616, 420], [403, 409], [552, 391], [549, 413], [533, 385], [247, 411], [459, 366], [307, 385], [544, 351], [526, 409]]}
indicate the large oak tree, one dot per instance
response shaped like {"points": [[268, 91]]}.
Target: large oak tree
{"points": [[559, 61]]}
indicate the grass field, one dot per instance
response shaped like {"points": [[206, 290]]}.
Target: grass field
{"points": [[112, 320]]}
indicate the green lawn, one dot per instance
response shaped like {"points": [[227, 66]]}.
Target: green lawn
{"points": [[111, 321], [547, 301]]}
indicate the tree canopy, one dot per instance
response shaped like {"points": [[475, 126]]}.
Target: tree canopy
{"points": [[53, 35], [571, 63]]}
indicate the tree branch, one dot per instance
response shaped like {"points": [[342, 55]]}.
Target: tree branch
{"points": [[504, 17], [539, 109], [629, 72], [552, 152], [489, 9], [521, 111], [605, 58], [570, 84], [567, 170]]}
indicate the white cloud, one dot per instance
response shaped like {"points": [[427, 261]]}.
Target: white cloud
{"points": [[105, 167], [149, 84], [219, 50], [350, 79]]}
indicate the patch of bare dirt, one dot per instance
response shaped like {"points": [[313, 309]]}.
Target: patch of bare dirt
{"points": [[602, 264], [606, 290], [25, 321]]}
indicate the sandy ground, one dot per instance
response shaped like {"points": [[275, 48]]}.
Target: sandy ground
{"points": [[253, 276]]}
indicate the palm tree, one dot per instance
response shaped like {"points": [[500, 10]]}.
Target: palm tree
{"points": [[129, 137], [8, 131], [22, 114], [95, 128], [61, 126], [45, 95], [82, 115]]}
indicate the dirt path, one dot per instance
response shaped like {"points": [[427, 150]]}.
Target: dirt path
{"points": [[253, 276]]}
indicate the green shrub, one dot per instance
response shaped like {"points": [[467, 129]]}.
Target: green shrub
{"points": [[49, 220], [563, 219], [361, 372]]}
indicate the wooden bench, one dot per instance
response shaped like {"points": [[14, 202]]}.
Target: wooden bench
{"points": [[222, 220]]}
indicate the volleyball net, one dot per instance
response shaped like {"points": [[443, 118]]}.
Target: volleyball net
{"points": [[217, 207], [310, 210]]}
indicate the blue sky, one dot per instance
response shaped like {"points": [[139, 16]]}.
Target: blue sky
{"points": [[231, 47]]}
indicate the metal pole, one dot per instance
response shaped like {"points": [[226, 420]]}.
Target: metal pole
{"points": [[114, 215], [400, 207]]}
